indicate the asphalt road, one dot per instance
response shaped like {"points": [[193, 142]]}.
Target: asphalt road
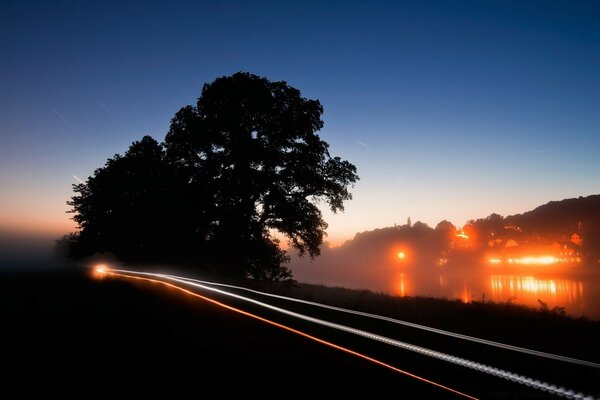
{"points": [[66, 334]]}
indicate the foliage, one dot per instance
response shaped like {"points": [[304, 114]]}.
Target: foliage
{"points": [[240, 166]]}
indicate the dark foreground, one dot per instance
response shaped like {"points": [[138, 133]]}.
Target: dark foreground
{"points": [[64, 333]]}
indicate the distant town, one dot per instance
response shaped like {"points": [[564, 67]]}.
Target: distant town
{"points": [[565, 233], [506, 244]]}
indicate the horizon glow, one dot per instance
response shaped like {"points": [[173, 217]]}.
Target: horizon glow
{"points": [[450, 111]]}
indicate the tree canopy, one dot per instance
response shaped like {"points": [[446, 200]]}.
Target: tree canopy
{"points": [[242, 164]]}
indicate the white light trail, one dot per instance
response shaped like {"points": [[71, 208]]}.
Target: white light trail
{"points": [[78, 180], [102, 271], [521, 379], [409, 324]]}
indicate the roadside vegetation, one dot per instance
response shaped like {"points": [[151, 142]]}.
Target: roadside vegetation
{"points": [[542, 328]]}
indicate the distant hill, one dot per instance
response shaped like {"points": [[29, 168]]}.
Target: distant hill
{"points": [[561, 216], [555, 220], [373, 259]]}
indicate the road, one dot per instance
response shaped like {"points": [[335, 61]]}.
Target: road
{"points": [[400, 355]]}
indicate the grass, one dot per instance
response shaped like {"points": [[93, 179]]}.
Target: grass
{"points": [[540, 328], [62, 329]]}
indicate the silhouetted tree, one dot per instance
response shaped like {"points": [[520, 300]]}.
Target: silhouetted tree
{"points": [[253, 145], [136, 207], [243, 163], [591, 246], [445, 233]]}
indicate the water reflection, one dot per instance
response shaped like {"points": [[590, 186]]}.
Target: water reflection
{"points": [[527, 289], [402, 286], [576, 289]]}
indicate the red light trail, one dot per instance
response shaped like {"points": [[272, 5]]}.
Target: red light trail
{"points": [[103, 271]]}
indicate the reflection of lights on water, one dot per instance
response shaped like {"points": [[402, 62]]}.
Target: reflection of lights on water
{"points": [[443, 281], [532, 285], [466, 295], [562, 290], [523, 283], [402, 288]]}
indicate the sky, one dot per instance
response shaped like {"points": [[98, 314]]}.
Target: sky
{"points": [[449, 110]]}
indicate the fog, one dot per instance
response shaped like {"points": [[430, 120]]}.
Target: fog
{"points": [[371, 261], [20, 251]]}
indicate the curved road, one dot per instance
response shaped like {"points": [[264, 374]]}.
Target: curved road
{"points": [[473, 368]]}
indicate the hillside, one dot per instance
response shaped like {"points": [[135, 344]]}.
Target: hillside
{"points": [[561, 216]]}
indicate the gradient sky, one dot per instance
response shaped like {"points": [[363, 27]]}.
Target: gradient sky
{"points": [[450, 110]]}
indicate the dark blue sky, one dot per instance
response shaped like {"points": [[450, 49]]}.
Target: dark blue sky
{"points": [[449, 109]]}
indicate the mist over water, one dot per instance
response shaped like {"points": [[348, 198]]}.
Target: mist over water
{"points": [[378, 268], [577, 289]]}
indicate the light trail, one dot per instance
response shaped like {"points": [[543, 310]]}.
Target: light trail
{"points": [[409, 324], [60, 115], [544, 386], [285, 327]]}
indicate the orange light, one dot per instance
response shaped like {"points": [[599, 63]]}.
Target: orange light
{"points": [[401, 255], [100, 271], [462, 234], [529, 260]]}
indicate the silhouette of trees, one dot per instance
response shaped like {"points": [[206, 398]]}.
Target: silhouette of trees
{"points": [[136, 207], [560, 217], [445, 233], [243, 163]]}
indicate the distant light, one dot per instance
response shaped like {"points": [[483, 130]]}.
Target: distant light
{"points": [[401, 255], [528, 260], [536, 260], [463, 235]]}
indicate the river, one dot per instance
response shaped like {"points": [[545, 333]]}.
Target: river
{"points": [[577, 290]]}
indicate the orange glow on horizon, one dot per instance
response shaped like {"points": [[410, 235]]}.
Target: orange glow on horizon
{"points": [[34, 223]]}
